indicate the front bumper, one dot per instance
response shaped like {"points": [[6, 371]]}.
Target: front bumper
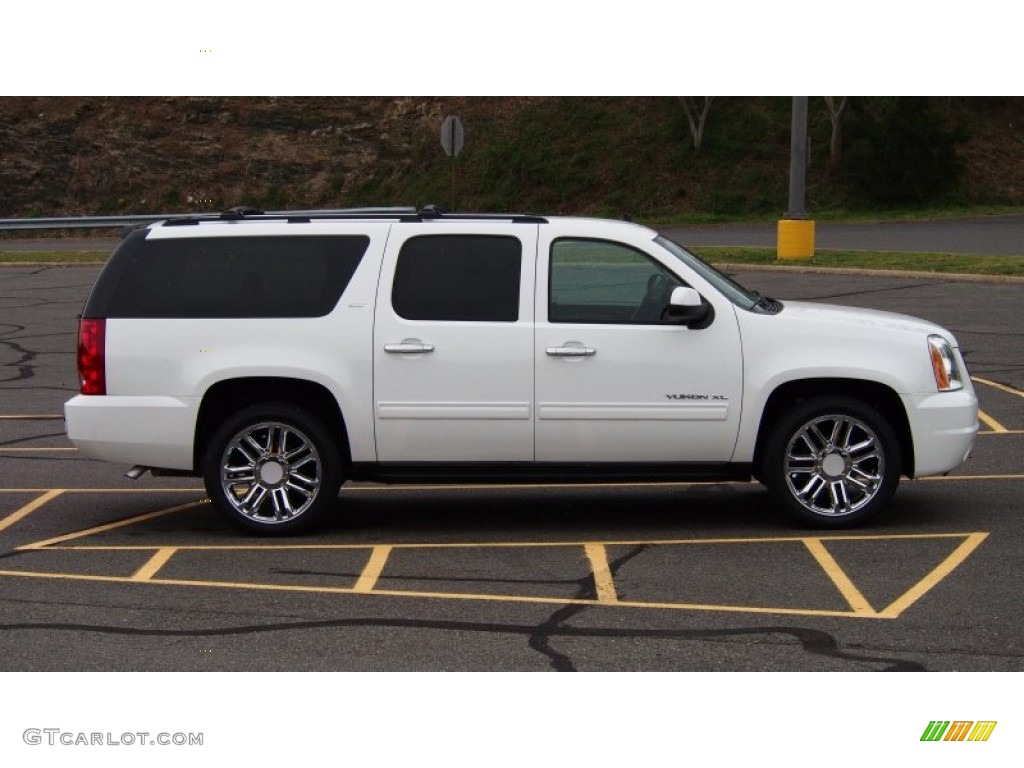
{"points": [[943, 426]]}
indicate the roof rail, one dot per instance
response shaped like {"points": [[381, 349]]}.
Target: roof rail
{"points": [[402, 213], [238, 213]]}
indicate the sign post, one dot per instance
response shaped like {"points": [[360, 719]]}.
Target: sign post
{"points": [[453, 136], [796, 231]]}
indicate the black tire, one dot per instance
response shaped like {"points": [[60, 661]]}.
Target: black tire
{"points": [[832, 461], [272, 469]]}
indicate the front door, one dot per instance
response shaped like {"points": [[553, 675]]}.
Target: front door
{"points": [[616, 382]]}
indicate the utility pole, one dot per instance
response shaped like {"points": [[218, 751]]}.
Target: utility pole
{"points": [[796, 231]]}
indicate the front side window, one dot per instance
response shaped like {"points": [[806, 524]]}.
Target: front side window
{"points": [[458, 278], [596, 281]]}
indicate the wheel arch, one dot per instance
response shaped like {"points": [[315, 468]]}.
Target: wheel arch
{"points": [[230, 395], [879, 396]]}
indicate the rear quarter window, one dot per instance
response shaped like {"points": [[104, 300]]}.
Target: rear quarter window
{"points": [[231, 277]]}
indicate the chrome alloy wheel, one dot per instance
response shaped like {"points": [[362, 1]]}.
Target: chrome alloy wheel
{"points": [[271, 472], [834, 465]]}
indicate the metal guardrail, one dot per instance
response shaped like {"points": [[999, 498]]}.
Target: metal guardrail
{"points": [[81, 222], [117, 222]]}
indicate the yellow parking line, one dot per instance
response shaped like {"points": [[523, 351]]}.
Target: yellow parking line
{"points": [[29, 508], [941, 571], [997, 385], [110, 526], [603, 581], [8, 449], [853, 596], [991, 423], [1003, 432], [499, 544], [30, 416], [154, 564], [939, 478], [596, 554], [444, 595], [374, 567]]}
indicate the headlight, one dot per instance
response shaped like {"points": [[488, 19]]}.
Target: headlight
{"points": [[947, 375]]}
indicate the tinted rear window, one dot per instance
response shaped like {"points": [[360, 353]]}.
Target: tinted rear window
{"points": [[224, 277]]}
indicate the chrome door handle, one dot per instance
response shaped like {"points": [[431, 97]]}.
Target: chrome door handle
{"points": [[571, 351], [409, 348]]}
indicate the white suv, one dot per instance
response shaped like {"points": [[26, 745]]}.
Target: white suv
{"points": [[280, 355]]}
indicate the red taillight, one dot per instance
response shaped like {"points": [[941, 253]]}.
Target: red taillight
{"points": [[92, 366]]}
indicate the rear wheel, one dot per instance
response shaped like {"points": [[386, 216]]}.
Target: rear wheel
{"points": [[832, 461], [272, 468]]}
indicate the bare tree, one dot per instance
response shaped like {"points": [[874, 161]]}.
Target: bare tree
{"points": [[835, 144], [697, 117]]}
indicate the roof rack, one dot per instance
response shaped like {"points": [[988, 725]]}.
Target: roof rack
{"points": [[402, 213], [130, 222]]}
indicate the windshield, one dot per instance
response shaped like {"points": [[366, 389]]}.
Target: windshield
{"points": [[732, 290]]}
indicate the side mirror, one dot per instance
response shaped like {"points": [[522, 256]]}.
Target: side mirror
{"points": [[686, 307]]}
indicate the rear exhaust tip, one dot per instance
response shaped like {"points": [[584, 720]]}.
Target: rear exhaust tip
{"points": [[136, 472]]}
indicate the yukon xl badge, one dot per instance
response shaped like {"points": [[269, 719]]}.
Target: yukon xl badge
{"points": [[696, 397]]}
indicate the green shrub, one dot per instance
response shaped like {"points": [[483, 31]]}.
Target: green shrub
{"points": [[901, 151]]}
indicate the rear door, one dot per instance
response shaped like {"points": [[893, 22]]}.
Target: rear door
{"points": [[453, 343]]}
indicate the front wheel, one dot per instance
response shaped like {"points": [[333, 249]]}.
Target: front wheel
{"points": [[832, 461], [272, 468]]}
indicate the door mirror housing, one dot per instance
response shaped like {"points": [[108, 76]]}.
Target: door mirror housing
{"points": [[687, 307]]}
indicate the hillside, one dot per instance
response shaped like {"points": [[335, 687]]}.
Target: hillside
{"points": [[67, 156]]}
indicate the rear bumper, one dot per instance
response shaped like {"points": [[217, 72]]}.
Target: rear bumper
{"points": [[943, 426], [151, 431]]}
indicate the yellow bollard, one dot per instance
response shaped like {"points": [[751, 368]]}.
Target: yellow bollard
{"points": [[796, 240]]}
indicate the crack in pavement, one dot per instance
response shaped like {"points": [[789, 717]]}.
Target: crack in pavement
{"points": [[539, 636], [428, 579], [866, 291], [540, 640], [25, 371], [812, 641]]}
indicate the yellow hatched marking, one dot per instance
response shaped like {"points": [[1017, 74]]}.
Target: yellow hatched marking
{"points": [[440, 595], [29, 508], [991, 423], [596, 553], [603, 581], [997, 385], [374, 567], [154, 564], [502, 544], [853, 596], [112, 526], [941, 571]]}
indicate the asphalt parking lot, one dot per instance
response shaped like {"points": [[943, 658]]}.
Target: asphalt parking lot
{"points": [[98, 572]]}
